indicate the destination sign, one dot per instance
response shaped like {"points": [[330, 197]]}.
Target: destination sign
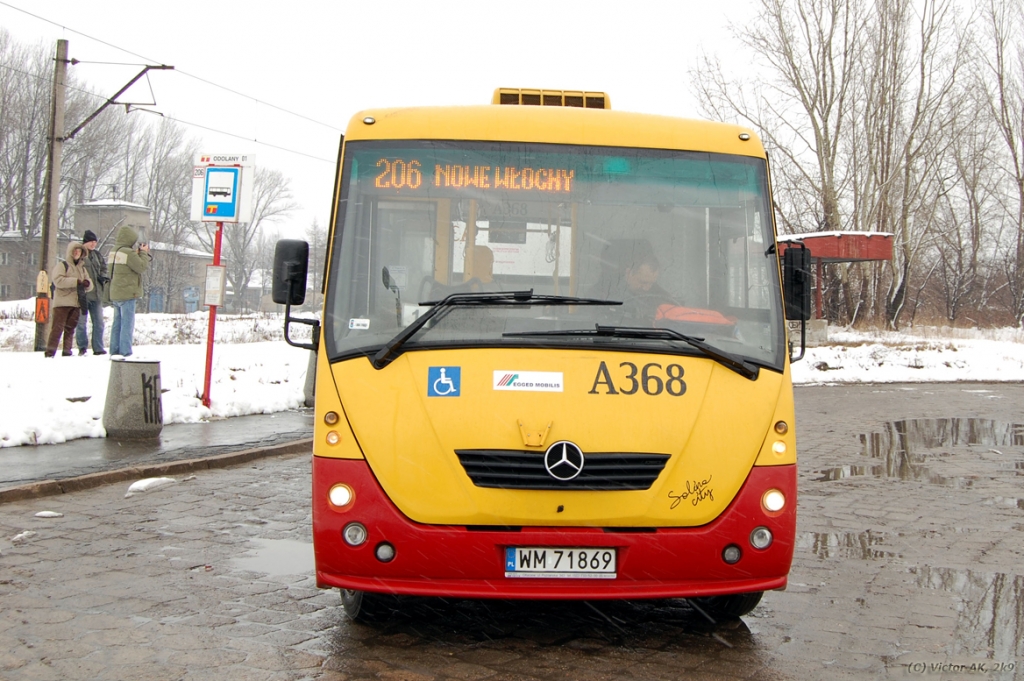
{"points": [[408, 175]]}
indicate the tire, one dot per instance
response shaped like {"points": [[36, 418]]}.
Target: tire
{"points": [[365, 607], [728, 607]]}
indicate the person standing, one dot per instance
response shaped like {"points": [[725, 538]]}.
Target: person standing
{"points": [[94, 305], [126, 264], [71, 283]]}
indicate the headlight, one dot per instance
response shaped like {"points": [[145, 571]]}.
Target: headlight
{"points": [[773, 501], [341, 495]]}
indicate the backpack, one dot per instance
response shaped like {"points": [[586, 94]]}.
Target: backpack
{"points": [[104, 286]]}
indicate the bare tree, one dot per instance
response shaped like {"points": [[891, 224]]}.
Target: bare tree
{"points": [[1004, 59], [811, 49], [968, 190], [25, 89], [167, 178], [317, 238], [911, 68]]}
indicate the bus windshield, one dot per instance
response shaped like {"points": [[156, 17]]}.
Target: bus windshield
{"points": [[671, 239]]}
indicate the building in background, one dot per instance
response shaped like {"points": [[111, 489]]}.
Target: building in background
{"points": [[176, 278], [19, 263]]}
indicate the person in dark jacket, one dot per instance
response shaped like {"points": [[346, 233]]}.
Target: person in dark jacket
{"points": [[630, 271], [93, 309], [126, 264], [70, 282]]}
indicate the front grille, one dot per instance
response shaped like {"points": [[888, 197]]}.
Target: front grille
{"points": [[513, 469]]}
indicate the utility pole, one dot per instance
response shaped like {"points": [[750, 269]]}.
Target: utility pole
{"points": [[51, 202]]}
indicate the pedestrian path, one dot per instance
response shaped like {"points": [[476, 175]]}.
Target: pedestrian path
{"points": [[20, 466]]}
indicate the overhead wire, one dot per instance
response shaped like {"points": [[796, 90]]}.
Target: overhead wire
{"points": [[178, 120], [185, 73], [241, 137]]}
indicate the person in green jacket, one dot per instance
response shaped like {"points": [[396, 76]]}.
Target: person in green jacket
{"points": [[126, 263]]}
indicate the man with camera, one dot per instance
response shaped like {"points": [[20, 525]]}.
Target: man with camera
{"points": [[126, 262]]}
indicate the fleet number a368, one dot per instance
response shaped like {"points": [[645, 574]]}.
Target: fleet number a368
{"points": [[652, 378]]}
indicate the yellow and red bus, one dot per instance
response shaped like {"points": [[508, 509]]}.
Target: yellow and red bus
{"points": [[553, 360]]}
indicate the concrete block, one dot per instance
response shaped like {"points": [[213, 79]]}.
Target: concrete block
{"points": [[134, 406]]}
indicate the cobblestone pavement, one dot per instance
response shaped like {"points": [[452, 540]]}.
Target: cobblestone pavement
{"points": [[909, 562]]}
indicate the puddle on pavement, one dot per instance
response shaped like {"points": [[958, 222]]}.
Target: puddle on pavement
{"points": [[990, 616], [863, 545], [903, 448], [277, 557]]}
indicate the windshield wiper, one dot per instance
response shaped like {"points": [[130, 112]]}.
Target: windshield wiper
{"points": [[391, 349], [726, 359]]}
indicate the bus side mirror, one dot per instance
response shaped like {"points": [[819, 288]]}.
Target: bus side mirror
{"points": [[796, 282], [291, 261]]}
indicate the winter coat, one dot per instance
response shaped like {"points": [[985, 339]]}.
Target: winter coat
{"points": [[65, 277], [126, 266], [97, 267]]}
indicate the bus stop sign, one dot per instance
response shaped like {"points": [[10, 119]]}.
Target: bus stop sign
{"points": [[222, 188]]}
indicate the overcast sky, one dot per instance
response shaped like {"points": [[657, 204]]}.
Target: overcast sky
{"points": [[327, 60]]}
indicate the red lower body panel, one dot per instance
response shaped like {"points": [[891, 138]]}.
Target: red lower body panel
{"points": [[452, 560]]}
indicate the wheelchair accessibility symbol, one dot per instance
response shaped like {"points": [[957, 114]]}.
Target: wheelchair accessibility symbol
{"points": [[444, 381]]}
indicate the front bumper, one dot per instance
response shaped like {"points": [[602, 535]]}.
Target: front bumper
{"points": [[461, 562]]}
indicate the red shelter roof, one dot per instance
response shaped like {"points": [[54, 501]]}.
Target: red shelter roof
{"points": [[843, 246], [826, 247]]}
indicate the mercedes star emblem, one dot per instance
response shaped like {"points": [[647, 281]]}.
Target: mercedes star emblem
{"points": [[563, 460]]}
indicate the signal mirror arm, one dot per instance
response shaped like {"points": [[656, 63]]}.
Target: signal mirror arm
{"points": [[314, 343]]}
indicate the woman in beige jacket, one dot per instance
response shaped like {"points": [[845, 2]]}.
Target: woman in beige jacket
{"points": [[67, 276]]}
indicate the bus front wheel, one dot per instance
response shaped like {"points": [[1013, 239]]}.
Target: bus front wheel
{"points": [[728, 607], [362, 606]]}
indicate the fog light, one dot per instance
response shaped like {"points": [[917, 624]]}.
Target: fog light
{"points": [[773, 501], [385, 552], [761, 538], [731, 554], [333, 437], [779, 447], [354, 534], [331, 417], [781, 427], [341, 495]]}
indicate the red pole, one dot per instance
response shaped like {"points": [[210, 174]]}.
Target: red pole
{"points": [[213, 322], [817, 290]]}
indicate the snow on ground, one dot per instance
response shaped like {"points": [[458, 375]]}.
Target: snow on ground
{"points": [[922, 356], [255, 372]]}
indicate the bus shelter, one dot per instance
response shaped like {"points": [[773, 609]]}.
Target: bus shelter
{"points": [[832, 247]]}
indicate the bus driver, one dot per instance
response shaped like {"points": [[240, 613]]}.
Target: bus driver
{"points": [[630, 271]]}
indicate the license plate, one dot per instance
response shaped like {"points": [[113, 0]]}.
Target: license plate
{"points": [[564, 563]]}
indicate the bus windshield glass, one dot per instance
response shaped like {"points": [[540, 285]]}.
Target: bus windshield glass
{"points": [[683, 240]]}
